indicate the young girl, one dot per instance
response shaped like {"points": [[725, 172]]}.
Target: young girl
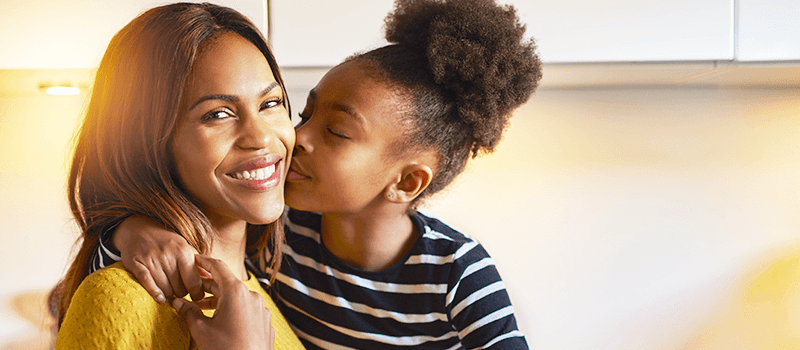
{"points": [[380, 133], [187, 98]]}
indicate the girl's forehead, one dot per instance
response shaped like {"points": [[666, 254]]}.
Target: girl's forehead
{"points": [[356, 83]]}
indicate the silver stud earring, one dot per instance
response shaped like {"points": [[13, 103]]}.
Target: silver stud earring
{"points": [[390, 195]]}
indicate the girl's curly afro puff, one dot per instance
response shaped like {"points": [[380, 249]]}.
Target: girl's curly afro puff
{"points": [[465, 66]]}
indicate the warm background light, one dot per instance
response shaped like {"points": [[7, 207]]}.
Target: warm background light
{"points": [[62, 90]]}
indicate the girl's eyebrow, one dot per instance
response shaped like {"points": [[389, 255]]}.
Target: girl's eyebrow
{"points": [[349, 110], [232, 98]]}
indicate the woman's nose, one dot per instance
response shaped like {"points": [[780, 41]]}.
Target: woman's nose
{"points": [[257, 132]]}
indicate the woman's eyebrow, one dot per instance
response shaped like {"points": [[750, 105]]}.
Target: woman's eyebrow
{"points": [[231, 98]]}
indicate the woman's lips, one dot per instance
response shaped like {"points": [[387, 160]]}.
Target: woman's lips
{"points": [[254, 174], [260, 174]]}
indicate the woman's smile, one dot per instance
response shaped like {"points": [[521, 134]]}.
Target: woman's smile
{"points": [[259, 174]]}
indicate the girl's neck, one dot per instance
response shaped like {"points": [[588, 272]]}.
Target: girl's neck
{"points": [[372, 242], [229, 245]]}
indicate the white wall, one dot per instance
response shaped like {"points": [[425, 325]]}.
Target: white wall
{"points": [[619, 218], [644, 219]]}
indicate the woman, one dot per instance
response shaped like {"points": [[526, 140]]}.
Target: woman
{"points": [[188, 125]]}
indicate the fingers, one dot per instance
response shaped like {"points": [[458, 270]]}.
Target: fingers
{"points": [[161, 260], [271, 334], [179, 263], [191, 313], [158, 274], [190, 277], [176, 281], [209, 303], [221, 274], [142, 274]]}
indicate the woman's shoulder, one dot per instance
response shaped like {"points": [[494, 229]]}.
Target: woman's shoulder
{"points": [[110, 309], [114, 283]]}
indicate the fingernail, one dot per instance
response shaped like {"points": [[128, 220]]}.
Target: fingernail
{"points": [[160, 298], [177, 304]]}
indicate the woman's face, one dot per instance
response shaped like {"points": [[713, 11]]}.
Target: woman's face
{"points": [[233, 139], [342, 161]]}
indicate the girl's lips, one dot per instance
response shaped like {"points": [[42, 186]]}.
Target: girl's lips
{"points": [[293, 175]]}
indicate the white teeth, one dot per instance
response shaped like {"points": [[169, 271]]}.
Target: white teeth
{"points": [[256, 174]]}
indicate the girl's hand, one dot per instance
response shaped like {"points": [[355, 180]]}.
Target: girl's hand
{"points": [[241, 321], [161, 260]]}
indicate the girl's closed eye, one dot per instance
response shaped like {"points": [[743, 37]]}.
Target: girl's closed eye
{"points": [[338, 134]]}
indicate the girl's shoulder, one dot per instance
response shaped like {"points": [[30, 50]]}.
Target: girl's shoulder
{"points": [[433, 228], [439, 238]]}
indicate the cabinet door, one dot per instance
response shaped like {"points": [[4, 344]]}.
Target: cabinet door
{"points": [[322, 33], [630, 30], [44, 34], [769, 30]]}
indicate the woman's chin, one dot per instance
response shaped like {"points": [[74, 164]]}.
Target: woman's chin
{"points": [[267, 216]]}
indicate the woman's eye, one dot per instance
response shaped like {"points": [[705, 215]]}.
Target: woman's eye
{"points": [[272, 103], [218, 114]]}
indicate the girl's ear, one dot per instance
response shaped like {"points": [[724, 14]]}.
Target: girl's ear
{"points": [[414, 179]]}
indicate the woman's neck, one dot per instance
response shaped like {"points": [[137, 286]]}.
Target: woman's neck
{"points": [[229, 245], [371, 242]]}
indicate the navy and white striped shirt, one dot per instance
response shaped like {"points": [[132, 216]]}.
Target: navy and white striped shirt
{"points": [[445, 294]]}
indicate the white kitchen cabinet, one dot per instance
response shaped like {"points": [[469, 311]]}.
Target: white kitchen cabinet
{"points": [[322, 33], [47, 34], [630, 30], [769, 30], [313, 32]]}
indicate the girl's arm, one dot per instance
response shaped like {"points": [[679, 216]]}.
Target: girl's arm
{"points": [[160, 259]]}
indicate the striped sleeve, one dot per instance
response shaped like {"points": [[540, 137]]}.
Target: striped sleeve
{"points": [[105, 254], [478, 304]]}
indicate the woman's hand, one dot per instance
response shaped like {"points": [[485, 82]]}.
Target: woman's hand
{"points": [[160, 259], [241, 321]]}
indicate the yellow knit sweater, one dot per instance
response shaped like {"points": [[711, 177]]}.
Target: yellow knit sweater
{"points": [[111, 310]]}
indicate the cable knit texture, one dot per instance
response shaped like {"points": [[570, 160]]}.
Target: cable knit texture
{"points": [[111, 310]]}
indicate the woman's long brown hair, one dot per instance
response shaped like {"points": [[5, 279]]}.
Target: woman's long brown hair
{"points": [[122, 163]]}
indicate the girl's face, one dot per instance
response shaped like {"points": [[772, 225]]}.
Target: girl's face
{"points": [[232, 142], [342, 161]]}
